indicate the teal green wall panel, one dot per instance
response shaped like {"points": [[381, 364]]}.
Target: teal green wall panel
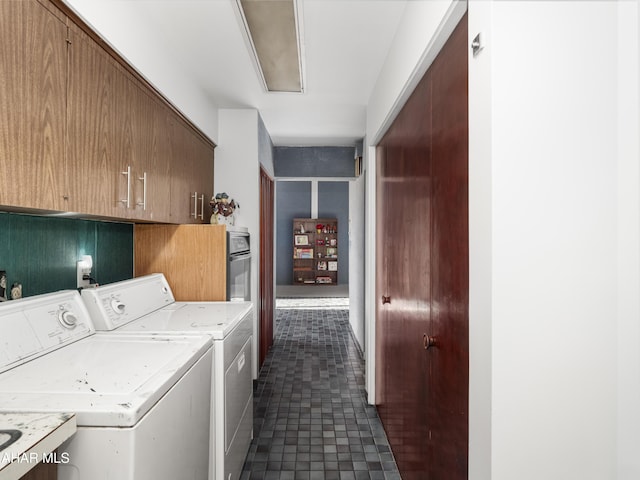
{"points": [[41, 252], [114, 252]]}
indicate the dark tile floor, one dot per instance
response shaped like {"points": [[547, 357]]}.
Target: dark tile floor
{"points": [[312, 420]]}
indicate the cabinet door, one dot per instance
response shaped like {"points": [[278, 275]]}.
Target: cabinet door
{"points": [[33, 64], [145, 130], [157, 166], [191, 176], [117, 139], [183, 201], [139, 133], [94, 136], [203, 175]]}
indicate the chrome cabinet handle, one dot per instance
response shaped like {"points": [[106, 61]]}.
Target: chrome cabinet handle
{"points": [[143, 204], [195, 205], [201, 207], [127, 201]]}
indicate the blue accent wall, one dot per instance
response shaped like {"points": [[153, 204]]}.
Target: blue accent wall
{"points": [[41, 252], [333, 202], [293, 199], [314, 161]]}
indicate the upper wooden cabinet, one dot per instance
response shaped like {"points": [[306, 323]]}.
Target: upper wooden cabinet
{"points": [[94, 136], [158, 166], [84, 133], [118, 138], [33, 63], [191, 177]]}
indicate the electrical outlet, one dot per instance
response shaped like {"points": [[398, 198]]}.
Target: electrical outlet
{"points": [[83, 271]]}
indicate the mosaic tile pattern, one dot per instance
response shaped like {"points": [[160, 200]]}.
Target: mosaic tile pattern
{"points": [[312, 420]]}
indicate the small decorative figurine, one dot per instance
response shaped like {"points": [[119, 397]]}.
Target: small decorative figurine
{"points": [[222, 209]]}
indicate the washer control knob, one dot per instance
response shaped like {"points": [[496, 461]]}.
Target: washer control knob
{"points": [[67, 319], [117, 306]]}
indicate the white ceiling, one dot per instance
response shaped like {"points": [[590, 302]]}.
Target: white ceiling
{"points": [[345, 43]]}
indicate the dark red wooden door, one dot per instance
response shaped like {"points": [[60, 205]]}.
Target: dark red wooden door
{"points": [[449, 382], [423, 273], [266, 300], [404, 186]]}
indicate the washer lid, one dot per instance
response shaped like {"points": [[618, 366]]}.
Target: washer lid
{"points": [[107, 379], [217, 319]]}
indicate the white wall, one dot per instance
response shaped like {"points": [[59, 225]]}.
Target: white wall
{"points": [[356, 258], [480, 245], [237, 172], [628, 230], [553, 245], [121, 25], [554, 240]]}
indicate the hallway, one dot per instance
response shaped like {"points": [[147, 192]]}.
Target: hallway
{"points": [[312, 421]]}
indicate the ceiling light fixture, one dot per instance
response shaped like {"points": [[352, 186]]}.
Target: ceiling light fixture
{"points": [[273, 30]]}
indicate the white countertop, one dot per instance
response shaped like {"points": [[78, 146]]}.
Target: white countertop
{"points": [[42, 433]]}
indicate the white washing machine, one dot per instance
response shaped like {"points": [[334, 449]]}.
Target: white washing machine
{"points": [[146, 304], [142, 402]]}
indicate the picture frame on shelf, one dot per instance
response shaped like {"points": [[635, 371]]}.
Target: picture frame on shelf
{"points": [[333, 266], [301, 239], [303, 253], [322, 265]]}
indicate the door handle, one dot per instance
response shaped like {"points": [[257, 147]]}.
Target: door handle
{"points": [[195, 205], [127, 173], [143, 179], [429, 341], [386, 299]]}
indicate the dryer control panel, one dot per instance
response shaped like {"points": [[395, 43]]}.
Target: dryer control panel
{"points": [[113, 305], [37, 325]]}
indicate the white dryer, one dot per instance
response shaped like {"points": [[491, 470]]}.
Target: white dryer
{"points": [[142, 401], [146, 304]]}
